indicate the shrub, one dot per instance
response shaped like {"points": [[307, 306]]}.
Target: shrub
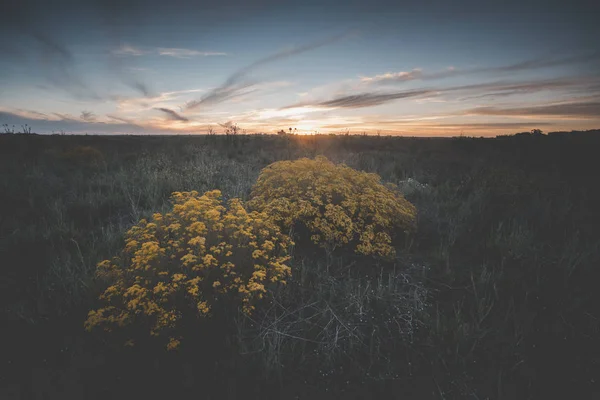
{"points": [[337, 205], [83, 155], [178, 266]]}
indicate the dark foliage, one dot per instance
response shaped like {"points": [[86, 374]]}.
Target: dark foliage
{"points": [[507, 249]]}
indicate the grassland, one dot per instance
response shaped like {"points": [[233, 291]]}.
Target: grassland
{"points": [[493, 297]]}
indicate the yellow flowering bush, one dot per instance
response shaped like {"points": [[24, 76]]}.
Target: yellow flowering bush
{"points": [[338, 206], [178, 265]]}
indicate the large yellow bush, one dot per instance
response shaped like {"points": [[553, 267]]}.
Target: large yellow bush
{"points": [[179, 264], [339, 206]]}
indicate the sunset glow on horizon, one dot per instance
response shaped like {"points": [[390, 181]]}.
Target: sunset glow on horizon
{"points": [[182, 67]]}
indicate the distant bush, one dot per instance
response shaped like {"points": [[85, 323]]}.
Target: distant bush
{"points": [[179, 265], [337, 205], [83, 155], [410, 186]]}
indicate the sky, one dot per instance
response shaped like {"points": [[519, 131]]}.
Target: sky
{"points": [[415, 68]]}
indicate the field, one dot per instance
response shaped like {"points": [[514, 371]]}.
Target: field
{"points": [[493, 297]]}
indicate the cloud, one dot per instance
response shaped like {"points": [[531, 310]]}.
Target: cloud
{"points": [[29, 114], [119, 17], [234, 86], [577, 110], [507, 125], [402, 76], [57, 63], [282, 55], [221, 94], [542, 62], [139, 86], [88, 116], [235, 93], [120, 119], [186, 53], [532, 64], [415, 74], [65, 117], [129, 50], [173, 115], [67, 123], [369, 99], [39, 43], [439, 94], [164, 99], [361, 100], [125, 73], [59, 67], [504, 89], [344, 91], [227, 124]]}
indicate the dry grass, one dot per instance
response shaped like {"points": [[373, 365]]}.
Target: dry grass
{"points": [[493, 297]]}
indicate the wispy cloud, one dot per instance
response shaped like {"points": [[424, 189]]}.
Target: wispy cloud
{"points": [[128, 50], [438, 94], [546, 62], [505, 89], [221, 94], [360, 100], [532, 64], [138, 86], [88, 116], [128, 76], [504, 125], [369, 99], [227, 124], [413, 75], [133, 51], [164, 99], [401, 76], [65, 117], [140, 69], [187, 53], [120, 119], [576, 110], [172, 115], [69, 124], [60, 67], [30, 114], [235, 85]]}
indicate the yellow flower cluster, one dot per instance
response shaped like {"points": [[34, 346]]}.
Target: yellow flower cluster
{"points": [[182, 262], [339, 206]]}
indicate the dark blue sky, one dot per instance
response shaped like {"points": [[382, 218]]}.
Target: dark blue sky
{"points": [[415, 68]]}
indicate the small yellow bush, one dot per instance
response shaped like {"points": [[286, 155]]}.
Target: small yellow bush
{"points": [[179, 264], [338, 205]]}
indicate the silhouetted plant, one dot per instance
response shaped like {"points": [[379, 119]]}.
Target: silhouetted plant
{"points": [[537, 132], [8, 129]]}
